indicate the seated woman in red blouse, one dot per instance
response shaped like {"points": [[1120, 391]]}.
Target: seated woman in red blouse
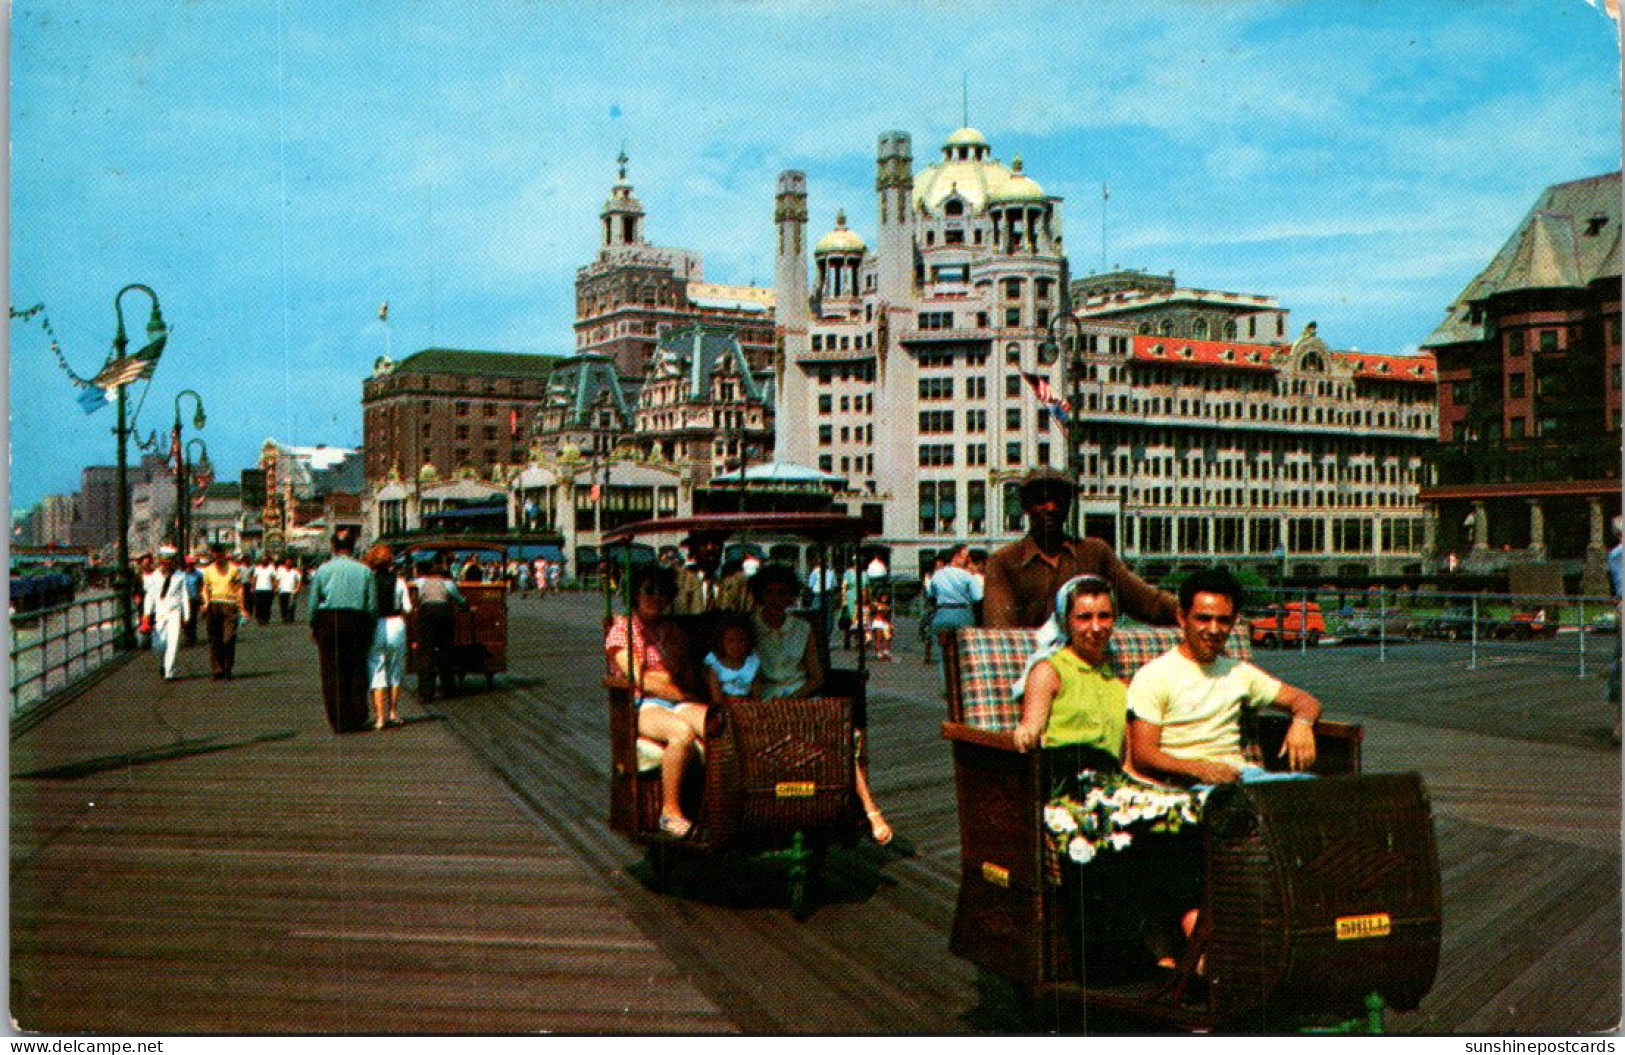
{"points": [[651, 652]]}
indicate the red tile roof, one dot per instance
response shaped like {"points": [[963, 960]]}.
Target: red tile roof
{"points": [[1244, 356]]}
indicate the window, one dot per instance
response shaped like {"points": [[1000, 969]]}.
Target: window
{"points": [[975, 420], [825, 404], [976, 387], [1012, 316], [462, 432], [1043, 454], [1044, 287], [1548, 341], [1515, 343], [1012, 419], [1012, 507], [953, 236], [846, 404], [826, 435], [826, 463], [1515, 429], [1012, 386], [936, 421], [936, 454], [1012, 453], [461, 410], [936, 388], [975, 506], [976, 454], [1514, 386], [1012, 288]]}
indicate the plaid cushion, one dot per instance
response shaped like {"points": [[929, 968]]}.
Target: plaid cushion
{"points": [[990, 661]]}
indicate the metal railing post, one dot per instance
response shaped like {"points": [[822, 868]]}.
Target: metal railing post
{"points": [[1472, 656], [1382, 624], [1582, 638]]}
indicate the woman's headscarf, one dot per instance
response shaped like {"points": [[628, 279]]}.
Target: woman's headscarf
{"points": [[1052, 636]]}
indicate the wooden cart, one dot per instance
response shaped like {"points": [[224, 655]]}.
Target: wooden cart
{"points": [[778, 777], [480, 634], [1319, 898]]}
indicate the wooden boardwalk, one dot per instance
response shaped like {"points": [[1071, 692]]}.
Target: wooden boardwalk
{"points": [[256, 874], [390, 882]]}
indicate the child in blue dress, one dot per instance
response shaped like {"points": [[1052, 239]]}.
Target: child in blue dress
{"points": [[733, 670]]}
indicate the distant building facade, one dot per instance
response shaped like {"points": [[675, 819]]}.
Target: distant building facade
{"points": [[910, 370], [97, 526], [308, 493], [1529, 393]]}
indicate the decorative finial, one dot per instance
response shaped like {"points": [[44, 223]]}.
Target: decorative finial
{"points": [[621, 160], [840, 219], [1015, 166]]}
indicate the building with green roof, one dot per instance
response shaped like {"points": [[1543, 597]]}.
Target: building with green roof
{"points": [[451, 412], [1529, 392]]}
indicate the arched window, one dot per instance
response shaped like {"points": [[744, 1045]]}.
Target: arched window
{"points": [[1166, 328], [1229, 329], [1199, 329], [954, 207]]}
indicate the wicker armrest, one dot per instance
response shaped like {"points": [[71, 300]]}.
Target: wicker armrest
{"points": [[617, 681], [966, 734]]}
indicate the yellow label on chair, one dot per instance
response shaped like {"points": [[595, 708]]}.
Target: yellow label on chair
{"points": [[995, 875], [1374, 926], [795, 789]]}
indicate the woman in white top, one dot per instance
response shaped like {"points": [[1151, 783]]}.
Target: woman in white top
{"points": [[386, 660]]}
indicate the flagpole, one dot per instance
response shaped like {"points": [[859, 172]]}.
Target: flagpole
{"points": [[1105, 196]]}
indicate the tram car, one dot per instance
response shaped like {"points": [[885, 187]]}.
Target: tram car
{"points": [[480, 635], [1319, 899], [777, 777]]}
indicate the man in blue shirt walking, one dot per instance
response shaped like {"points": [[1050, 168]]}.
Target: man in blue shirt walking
{"points": [[343, 617]]}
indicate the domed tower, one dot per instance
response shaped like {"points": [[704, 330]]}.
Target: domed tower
{"points": [[1020, 214], [623, 213], [838, 256]]}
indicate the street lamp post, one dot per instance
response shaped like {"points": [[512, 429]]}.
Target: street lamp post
{"points": [[182, 479], [157, 334], [205, 477]]}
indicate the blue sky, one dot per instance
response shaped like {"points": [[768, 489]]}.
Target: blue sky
{"points": [[275, 170]]}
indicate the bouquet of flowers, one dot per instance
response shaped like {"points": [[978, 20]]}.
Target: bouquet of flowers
{"points": [[1107, 810]]}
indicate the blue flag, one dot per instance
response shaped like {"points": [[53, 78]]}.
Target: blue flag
{"points": [[92, 398]]}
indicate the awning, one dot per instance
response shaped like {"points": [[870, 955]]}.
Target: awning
{"points": [[470, 512]]}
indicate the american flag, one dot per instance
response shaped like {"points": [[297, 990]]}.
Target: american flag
{"points": [[125, 370], [1058, 407]]}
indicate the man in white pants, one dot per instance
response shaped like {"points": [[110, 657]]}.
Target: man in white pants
{"points": [[166, 607]]}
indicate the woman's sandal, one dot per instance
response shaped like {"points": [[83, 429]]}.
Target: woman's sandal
{"points": [[676, 827], [878, 828]]}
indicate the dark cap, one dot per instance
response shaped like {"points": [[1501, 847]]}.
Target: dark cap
{"points": [[699, 537], [1046, 483]]}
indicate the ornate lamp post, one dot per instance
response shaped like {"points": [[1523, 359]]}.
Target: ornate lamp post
{"points": [[157, 334], [204, 477], [182, 469]]}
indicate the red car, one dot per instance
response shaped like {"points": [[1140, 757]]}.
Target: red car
{"points": [[1284, 625]]}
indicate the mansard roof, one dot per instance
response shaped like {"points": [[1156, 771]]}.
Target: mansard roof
{"points": [[584, 381], [1569, 240], [697, 353]]}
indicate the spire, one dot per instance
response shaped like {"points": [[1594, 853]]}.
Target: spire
{"points": [[621, 160]]}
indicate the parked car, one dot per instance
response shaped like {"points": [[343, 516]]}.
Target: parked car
{"points": [[1525, 626], [1365, 624], [1452, 624], [1606, 623], [1282, 625]]}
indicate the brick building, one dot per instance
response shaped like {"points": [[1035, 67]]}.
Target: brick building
{"points": [[634, 293], [1529, 392], [443, 413]]}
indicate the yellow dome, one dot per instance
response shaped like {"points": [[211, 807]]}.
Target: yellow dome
{"points": [[966, 137], [974, 181], [840, 240], [1017, 187]]}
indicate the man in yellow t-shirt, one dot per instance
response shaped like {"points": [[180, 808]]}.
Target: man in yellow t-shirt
{"points": [[222, 609], [1186, 704]]}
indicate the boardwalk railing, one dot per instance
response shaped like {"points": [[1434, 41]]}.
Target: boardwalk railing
{"points": [[1584, 628], [54, 649]]}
